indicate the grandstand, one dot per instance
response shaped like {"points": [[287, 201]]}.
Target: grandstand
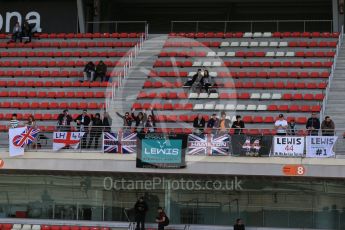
{"points": [[266, 58]]}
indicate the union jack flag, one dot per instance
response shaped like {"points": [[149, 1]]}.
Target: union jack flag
{"points": [[110, 142], [127, 142], [26, 137], [208, 144]]}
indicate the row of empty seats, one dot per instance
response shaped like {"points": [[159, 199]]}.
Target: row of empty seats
{"points": [[60, 84], [80, 35], [267, 64], [46, 73], [52, 94], [242, 74], [246, 54], [67, 44], [250, 84], [62, 54], [227, 107], [252, 44], [79, 63], [256, 35], [48, 227], [52, 105]]}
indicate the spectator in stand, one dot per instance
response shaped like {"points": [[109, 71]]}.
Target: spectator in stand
{"points": [[107, 122], [327, 127], [239, 225], [191, 80], [101, 71], [213, 123], [199, 124], [140, 120], [313, 125], [14, 123], [292, 128], [31, 122], [16, 33], [238, 125], [281, 125], [83, 122], [89, 71], [64, 121], [150, 123], [224, 124], [197, 84], [206, 81], [96, 129], [26, 31], [127, 120]]}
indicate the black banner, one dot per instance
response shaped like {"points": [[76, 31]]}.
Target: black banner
{"points": [[254, 146], [156, 150], [53, 16]]}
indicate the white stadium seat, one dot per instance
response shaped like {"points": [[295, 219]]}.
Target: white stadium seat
{"points": [[217, 63], [240, 107], [254, 44], [283, 44], [26, 227], [230, 107], [257, 35], [211, 54], [251, 107], [290, 54], [267, 34], [221, 54], [276, 96], [17, 226], [244, 44], [191, 74], [270, 54], [219, 107], [36, 227], [197, 63], [261, 108], [225, 44], [198, 107], [265, 96], [207, 63], [263, 44], [213, 74], [255, 96], [203, 95], [193, 96], [248, 35], [231, 54], [273, 44], [214, 95], [235, 44], [280, 54], [209, 107]]}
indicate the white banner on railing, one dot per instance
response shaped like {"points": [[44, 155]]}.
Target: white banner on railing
{"points": [[15, 149], [288, 146], [320, 146], [66, 140]]}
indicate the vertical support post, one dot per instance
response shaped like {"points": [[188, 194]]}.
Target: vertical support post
{"points": [[81, 18], [167, 197]]}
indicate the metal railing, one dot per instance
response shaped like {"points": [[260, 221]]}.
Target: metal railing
{"points": [[330, 79], [226, 25], [114, 26]]}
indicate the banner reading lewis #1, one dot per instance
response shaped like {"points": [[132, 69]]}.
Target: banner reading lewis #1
{"points": [[285, 146], [320, 146], [161, 150]]}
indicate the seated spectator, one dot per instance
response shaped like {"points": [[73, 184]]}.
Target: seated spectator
{"points": [[238, 125], [127, 120], [101, 71], [281, 125], [150, 123], [140, 120], [26, 31], [213, 123], [14, 123], [292, 128], [83, 122], [16, 33], [191, 80], [224, 124], [199, 124], [96, 130], [313, 125], [64, 121], [31, 122], [89, 71], [107, 122], [327, 127], [206, 81], [197, 84]]}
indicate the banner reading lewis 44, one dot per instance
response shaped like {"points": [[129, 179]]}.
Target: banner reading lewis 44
{"points": [[208, 144], [288, 146], [320, 146]]}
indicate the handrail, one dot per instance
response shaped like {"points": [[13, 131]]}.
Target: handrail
{"points": [[251, 23], [116, 23]]}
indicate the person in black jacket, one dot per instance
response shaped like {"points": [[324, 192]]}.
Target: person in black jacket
{"points": [[238, 125], [101, 71], [83, 121], [89, 71], [150, 123], [64, 121], [127, 120], [206, 81], [96, 129], [140, 209], [191, 80], [107, 122], [313, 125], [26, 31], [199, 124], [140, 120], [16, 33], [239, 225]]}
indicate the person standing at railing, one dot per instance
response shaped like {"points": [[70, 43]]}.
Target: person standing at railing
{"points": [[327, 127], [83, 121], [14, 122], [224, 124], [313, 125], [292, 128], [140, 209], [213, 123], [140, 120], [238, 125], [107, 122], [95, 130], [150, 123], [127, 120], [199, 124], [281, 125], [64, 121]]}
